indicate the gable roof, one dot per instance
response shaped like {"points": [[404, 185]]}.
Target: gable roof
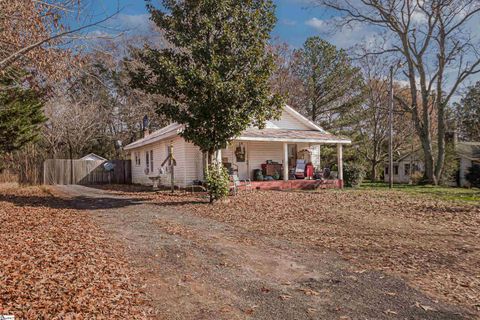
{"points": [[163, 133], [302, 118], [92, 156], [314, 133]]}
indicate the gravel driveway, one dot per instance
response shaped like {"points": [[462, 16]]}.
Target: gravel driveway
{"points": [[197, 268]]}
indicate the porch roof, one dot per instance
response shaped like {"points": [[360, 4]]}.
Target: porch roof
{"points": [[287, 135]]}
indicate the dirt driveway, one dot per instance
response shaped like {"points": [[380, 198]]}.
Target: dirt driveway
{"points": [[196, 268]]}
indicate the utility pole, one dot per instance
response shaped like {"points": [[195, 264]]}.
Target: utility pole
{"points": [[390, 132]]}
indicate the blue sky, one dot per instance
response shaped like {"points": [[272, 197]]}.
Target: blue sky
{"points": [[297, 20]]}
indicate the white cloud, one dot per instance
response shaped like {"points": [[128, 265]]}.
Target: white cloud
{"points": [[317, 24]]}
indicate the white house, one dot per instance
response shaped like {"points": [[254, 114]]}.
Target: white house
{"points": [[467, 153], [405, 167], [280, 142]]}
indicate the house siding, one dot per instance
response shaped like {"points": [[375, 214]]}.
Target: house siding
{"points": [[260, 152], [287, 121], [193, 163], [465, 165], [159, 155]]}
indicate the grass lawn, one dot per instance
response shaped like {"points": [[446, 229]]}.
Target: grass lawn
{"points": [[471, 195]]}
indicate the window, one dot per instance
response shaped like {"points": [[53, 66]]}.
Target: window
{"points": [[395, 170], [147, 160], [137, 159], [151, 160], [386, 170], [407, 169], [415, 168]]}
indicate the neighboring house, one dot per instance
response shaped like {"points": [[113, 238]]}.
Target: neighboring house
{"points": [[405, 167], [93, 157], [468, 153], [280, 142]]}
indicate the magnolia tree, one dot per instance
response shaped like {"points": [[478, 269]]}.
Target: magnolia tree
{"points": [[435, 44], [215, 71]]}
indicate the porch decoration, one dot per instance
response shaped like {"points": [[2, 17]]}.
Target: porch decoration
{"points": [[171, 163], [257, 175], [240, 153]]}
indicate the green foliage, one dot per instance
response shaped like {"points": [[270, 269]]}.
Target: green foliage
{"points": [[468, 114], [450, 166], [333, 86], [218, 182], [20, 117], [353, 174], [215, 71], [473, 175]]}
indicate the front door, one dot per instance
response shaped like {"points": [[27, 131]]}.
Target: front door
{"points": [[241, 159]]}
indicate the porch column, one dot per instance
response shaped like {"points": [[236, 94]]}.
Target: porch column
{"points": [[340, 163], [218, 156], [285, 161]]}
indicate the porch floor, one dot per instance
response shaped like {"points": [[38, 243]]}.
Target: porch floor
{"points": [[297, 184]]}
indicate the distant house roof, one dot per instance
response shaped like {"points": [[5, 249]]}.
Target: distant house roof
{"points": [[415, 154], [93, 157], [287, 135], [469, 150]]}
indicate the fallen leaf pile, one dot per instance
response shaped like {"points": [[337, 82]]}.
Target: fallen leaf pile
{"points": [[431, 243], [55, 263]]}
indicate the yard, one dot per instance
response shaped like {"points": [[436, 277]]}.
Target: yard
{"points": [[55, 263], [329, 254], [427, 236]]}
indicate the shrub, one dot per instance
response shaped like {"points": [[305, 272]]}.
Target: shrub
{"points": [[217, 182], [473, 175], [416, 177], [353, 174]]}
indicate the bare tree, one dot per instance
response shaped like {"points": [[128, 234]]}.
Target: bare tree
{"points": [[72, 126], [372, 123], [433, 39], [32, 33], [283, 80]]}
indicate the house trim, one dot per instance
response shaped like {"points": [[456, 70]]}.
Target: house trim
{"points": [[293, 140]]}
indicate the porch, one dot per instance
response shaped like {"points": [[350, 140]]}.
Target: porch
{"points": [[297, 184], [285, 159]]}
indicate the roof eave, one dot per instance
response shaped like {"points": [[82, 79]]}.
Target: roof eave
{"points": [[137, 144], [308, 140]]}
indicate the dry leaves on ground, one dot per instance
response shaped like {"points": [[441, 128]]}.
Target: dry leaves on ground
{"points": [[55, 263], [431, 243]]}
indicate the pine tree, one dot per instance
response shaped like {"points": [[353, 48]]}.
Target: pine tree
{"points": [[333, 87], [21, 115], [468, 114]]}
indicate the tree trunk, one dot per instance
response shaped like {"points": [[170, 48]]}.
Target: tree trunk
{"points": [[373, 173], [429, 175]]}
